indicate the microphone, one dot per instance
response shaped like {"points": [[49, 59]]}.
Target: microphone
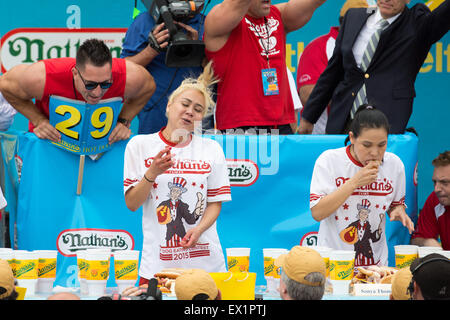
{"points": [[153, 293]]}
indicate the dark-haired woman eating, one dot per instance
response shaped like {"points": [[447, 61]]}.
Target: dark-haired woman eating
{"points": [[354, 186]]}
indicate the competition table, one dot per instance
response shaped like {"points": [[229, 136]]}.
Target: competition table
{"points": [[260, 294], [47, 212]]}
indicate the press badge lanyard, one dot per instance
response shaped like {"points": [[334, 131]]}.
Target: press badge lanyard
{"points": [[269, 75]]}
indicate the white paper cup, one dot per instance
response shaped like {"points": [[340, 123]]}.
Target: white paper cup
{"points": [[272, 273], [405, 255], [46, 270], [96, 288], [45, 285], [97, 271], [342, 263], [424, 251], [81, 262], [238, 259], [26, 270], [6, 254], [340, 287], [126, 268], [325, 254], [29, 284]]}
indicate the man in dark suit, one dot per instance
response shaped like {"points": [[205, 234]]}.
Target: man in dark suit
{"points": [[388, 79]]}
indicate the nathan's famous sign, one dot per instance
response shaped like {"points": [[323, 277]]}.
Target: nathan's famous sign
{"points": [[29, 45]]}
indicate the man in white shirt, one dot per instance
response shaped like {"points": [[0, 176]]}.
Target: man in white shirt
{"points": [[384, 69]]}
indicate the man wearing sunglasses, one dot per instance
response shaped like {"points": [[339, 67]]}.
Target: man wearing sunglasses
{"points": [[94, 75]]}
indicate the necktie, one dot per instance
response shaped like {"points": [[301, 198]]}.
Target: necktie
{"points": [[367, 57]]}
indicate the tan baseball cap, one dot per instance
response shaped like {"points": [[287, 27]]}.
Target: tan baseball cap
{"points": [[193, 282], [6, 279], [301, 261], [400, 282], [353, 4]]}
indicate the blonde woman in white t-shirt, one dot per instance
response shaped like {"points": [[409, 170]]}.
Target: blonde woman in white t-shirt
{"points": [[180, 180]]}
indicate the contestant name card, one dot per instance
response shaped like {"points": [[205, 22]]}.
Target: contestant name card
{"points": [[375, 289]]}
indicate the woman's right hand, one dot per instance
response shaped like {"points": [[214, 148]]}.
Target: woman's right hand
{"points": [[135, 291], [366, 175], [160, 164]]}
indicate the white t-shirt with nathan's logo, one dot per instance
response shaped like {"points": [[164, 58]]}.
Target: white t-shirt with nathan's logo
{"points": [[177, 201], [359, 223]]}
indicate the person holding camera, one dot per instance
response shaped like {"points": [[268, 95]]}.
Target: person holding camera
{"points": [[246, 39], [151, 54]]}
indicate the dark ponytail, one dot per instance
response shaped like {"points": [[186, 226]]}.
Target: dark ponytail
{"points": [[367, 117]]}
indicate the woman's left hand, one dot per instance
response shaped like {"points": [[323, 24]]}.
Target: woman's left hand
{"points": [[398, 213], [191, 238]]}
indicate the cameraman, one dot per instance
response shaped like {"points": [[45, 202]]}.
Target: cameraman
{"points": [[137, 49]]}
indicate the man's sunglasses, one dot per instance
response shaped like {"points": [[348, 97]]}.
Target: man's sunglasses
{"points": [[91, 85]]}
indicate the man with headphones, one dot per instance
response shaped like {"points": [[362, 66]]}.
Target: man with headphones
{"points": [[430, 278]]}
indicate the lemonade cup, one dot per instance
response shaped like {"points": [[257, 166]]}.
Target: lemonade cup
{"points": [[238, 259]]}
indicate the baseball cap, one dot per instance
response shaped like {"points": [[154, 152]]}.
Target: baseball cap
{"points": [[194, 282], [6, 279], [432, 274], [400, 282], [301, 261], [353, 4]]}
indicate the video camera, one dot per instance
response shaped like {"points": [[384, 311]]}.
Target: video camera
{"points": [[153, 293], [181, 52]]}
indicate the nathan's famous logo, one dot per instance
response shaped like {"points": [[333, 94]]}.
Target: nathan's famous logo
{"points": [[72, 240], [378, 188], [29, 45], [309, 239], [242, 173], [123, 271], [269, 267], [332, 265], [46, 268], [185, 166], [404, 260], [23, 269], [346, 267], [232, 262]]}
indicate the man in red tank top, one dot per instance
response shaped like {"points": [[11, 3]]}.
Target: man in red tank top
{"points": [[92, 76], [246, 39]]}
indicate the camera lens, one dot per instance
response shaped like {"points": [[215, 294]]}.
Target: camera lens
{"points": [[183, 51]]}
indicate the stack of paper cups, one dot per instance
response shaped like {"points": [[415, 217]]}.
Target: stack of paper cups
{"points": [[405, 255], [82, 266], [126, 268], [46, 270], [342, 264], [97, 271], [272, 273], [424, 251], [26, 270]]}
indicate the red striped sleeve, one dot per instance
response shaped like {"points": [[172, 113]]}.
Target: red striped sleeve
{"points": [[219, 191], [314, 197], [128, 182], [398, 203]]}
